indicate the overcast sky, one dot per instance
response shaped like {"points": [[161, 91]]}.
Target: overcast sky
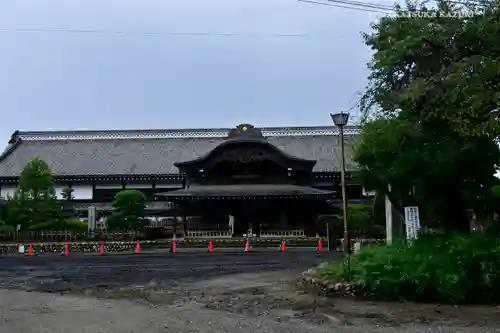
{"points": [[135, 72]]}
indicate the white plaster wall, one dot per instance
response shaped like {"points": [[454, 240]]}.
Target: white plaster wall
{"points": [[168, 186], [7, 190], [138, 185], [59, 190], [82, 191], [109, 186], [367, 193]]}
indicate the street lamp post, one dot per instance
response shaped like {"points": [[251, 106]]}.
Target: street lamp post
{"points": [[340, 120]]}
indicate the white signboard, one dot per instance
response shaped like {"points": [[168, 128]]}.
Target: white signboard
{"points": [[91, 218], [412, 222], [231, 224]]}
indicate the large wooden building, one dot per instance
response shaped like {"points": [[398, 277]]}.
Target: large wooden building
{"points": [[215, 179]]}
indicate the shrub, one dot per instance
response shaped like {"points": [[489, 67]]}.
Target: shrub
{"points": [[76, 225], [333, 272], [449, 269], [128, 211], [5, 227], [70, 225]]}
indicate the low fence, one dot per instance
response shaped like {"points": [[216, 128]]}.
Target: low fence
{"points": [[276, 234], [282, 234], [196, 233], [63, 235]]}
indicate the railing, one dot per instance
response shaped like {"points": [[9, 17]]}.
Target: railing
{"points": [[62, 235], [195, 233], [159, 224], [282, 233]]}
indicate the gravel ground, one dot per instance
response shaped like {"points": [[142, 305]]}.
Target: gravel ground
{"points": [[198, 292]]}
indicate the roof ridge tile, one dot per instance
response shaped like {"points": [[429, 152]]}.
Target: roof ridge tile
{"points": [[177, 133]]}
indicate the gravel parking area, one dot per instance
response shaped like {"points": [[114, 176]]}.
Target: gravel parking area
{"points": [[193, 292]]}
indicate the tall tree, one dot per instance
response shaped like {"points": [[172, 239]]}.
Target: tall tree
{"points": [[36, 194], [433, 90], [36, 178], [441, 67]]}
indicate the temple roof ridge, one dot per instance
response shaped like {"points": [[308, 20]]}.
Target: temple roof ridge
{"points": [[174, 133]]}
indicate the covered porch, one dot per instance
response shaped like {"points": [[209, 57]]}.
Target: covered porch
{"points": [[250, 210]]}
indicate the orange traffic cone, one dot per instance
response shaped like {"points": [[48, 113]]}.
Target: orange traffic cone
{"points": [[248, 247], [211, 246], [30, 250], [283, 246], [101, 248], [320, 246], [138, 247], [66, 249]]}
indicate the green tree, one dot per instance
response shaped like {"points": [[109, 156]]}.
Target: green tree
{"points": [[46, 209], [17, 211], [35, 202], [128, 211], [442, 68], [68, 208], [361, 222], [431, 135], [3, 226], [2, 209], [63, 214], [36, 179], [440, 174]]}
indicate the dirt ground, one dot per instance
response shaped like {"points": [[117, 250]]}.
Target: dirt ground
{"points": [[189, 293]]}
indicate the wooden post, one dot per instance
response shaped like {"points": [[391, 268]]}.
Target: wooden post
{"points": [[328, 237], [388, 221]]}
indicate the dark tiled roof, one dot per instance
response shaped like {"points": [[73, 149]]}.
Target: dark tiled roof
{"points": [[245, 190], [155, 151]]}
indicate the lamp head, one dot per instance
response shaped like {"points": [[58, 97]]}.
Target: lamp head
{"points": [[340, 119]]}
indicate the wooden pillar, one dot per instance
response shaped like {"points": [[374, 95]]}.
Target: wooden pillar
{"points": [[283, 223], [153, 188]]}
